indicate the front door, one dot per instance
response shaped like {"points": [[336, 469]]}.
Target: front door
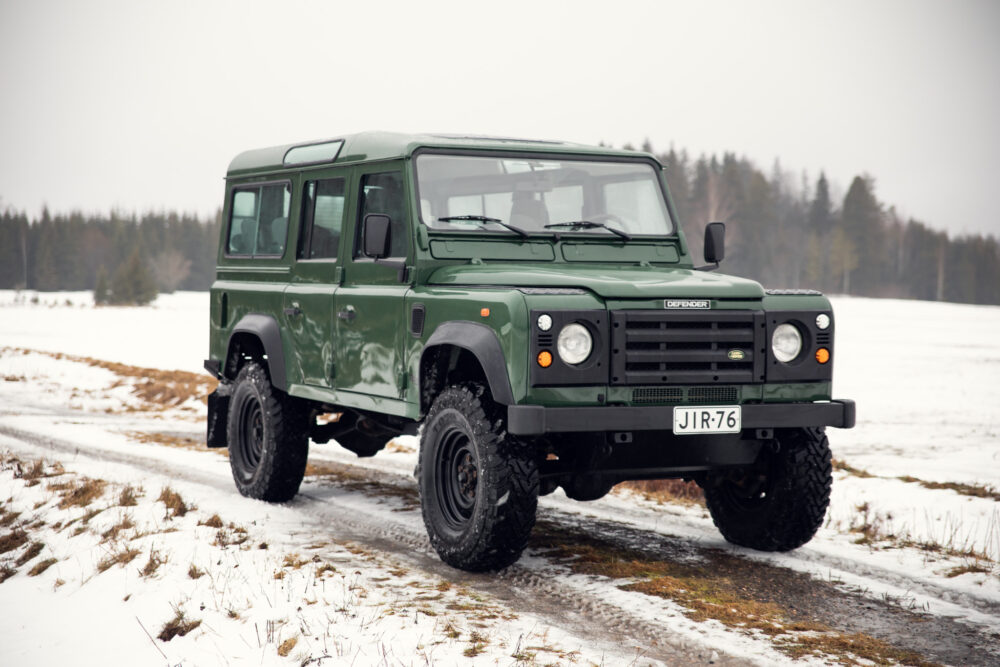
{"points": [[370, 307]]}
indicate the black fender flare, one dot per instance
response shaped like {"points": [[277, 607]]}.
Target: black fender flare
{"points": [[265, 328], [483, 343]]}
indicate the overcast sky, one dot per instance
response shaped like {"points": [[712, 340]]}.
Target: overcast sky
{"points": [[141, 105]]}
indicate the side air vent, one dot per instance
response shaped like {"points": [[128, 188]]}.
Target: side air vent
{"points": [[417, 313]]}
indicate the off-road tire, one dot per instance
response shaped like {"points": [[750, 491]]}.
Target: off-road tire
{"points": [[478, 485], [268, 443], [780, 505]]}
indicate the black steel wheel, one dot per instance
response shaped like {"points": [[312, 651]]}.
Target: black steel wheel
{"points": [[478, 485], [268, 446], [779, 504]]}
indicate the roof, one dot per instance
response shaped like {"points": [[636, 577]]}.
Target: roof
{"points": [[370, 146]]}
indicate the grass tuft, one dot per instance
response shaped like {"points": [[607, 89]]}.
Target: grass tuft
{"points": [[194, 572], [175, 504], [6, 572], [125, 523], [79, 494], [122, 557], [156, 559], [41, 566], [286, 646], [129, 497], [850, 470], [178, 626], [15, 539], [212, 522], [667, 490], [30, 553], [972, 490]]}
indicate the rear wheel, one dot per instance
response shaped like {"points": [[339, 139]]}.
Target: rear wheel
{"points": [[779, 505], [478, 485], [268, 446]]}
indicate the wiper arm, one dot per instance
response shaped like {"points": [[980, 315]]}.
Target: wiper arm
{"points": [[588, 224], [484, 219]]}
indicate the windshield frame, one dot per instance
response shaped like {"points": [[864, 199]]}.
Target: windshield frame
{"points": [[579, 234]]}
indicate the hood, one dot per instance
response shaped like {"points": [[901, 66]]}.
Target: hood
{"points": [[620, 282]]}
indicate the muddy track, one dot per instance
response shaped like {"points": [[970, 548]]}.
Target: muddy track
{"points": [[340, 504]]}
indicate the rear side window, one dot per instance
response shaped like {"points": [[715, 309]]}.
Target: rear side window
{"points": [[258, 220], [322, 219]]}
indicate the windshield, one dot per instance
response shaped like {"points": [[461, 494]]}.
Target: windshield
{"points": [[544, 195]]}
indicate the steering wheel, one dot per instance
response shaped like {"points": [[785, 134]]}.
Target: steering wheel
{"points": [[609, 217]]}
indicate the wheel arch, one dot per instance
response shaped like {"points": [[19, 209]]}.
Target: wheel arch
{"points": [[473, 339], [259, 336]]}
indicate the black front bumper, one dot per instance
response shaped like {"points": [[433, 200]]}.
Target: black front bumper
{"points": [[538, 420]]}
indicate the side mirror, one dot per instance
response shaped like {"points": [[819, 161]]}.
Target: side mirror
{"points": [[377, 235], [715, 242]]}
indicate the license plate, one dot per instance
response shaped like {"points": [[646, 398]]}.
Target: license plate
{"points": [[708, 419]]}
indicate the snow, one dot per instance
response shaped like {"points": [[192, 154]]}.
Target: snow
{"points": [[923, 375]]}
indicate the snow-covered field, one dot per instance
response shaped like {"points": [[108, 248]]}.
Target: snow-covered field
{"points": [[344, 570]]}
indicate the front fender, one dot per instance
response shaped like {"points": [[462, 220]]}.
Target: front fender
{"points": [[484, 345]]}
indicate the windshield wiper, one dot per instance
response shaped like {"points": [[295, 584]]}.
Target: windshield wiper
{"points": [[484, 219], [587, 224]]}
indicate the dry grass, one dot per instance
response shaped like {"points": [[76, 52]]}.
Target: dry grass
{"points": [[80, 493], [232, 536], [129, 497], [123, 556], [125, 523], [976, 567], [156, 559], [175, 504], [194, 572], [850, 470], [30, 553], [212, 522], [178, 626], [41, 566], [6, 572], [286, 646], [717, 591], [7, 518], [667, 491], [15, 539], [972, 490]]}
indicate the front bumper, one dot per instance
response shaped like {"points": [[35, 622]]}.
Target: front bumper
{"points": [[538, 420]]}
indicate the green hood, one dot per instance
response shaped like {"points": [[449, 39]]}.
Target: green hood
{"points": [[633, 282]]}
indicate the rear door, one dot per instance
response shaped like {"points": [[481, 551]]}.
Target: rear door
{"points": [[370, 304], [309, 299]]}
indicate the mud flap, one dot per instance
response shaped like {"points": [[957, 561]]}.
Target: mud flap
{"points": [[218, 415]]}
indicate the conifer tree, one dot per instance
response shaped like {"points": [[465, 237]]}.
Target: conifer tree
{"points": [[133, 283], [102, 291]]}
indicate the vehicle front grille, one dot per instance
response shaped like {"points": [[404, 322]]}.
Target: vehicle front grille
{"points": [[678, 395], [652, 347]]}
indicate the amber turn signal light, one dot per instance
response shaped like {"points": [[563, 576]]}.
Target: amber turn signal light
{"points": [[822, 355], [484, 312], [544, 358]]}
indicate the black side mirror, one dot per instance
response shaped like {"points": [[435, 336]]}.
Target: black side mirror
{"points": [[377, 235], [715, 242]]}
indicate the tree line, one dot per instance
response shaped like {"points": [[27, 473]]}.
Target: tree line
{"points": [[782, 230], [123, 258], [789, 232]]}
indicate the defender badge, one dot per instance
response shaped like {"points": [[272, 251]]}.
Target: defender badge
{"points": [[736, 355], [687, 304]]}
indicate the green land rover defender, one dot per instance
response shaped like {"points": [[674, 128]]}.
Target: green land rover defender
{"points": [[533, 311]]}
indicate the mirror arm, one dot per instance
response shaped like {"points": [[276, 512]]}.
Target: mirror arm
{"points": [[707, 267]]}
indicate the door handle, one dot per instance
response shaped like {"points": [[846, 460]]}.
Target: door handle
{"points": [[294, 311], [347, 313]]}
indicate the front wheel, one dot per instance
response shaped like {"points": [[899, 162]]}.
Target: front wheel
{"points": [[268, 445], [478, 485], [780, 504]]}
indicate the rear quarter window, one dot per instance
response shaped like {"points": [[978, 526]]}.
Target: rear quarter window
{"points": [[258, 221]]}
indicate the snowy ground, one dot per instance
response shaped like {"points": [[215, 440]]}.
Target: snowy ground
{"points": [[347, 573]]}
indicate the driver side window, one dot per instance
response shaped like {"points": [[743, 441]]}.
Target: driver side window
{"points": [[383, 193]]}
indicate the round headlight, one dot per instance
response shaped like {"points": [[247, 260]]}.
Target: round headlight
{"points": [[544, 322], [822, 321], [786, 342], [574, 343]]}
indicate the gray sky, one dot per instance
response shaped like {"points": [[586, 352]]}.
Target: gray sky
{"points": [[141, 105]]}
